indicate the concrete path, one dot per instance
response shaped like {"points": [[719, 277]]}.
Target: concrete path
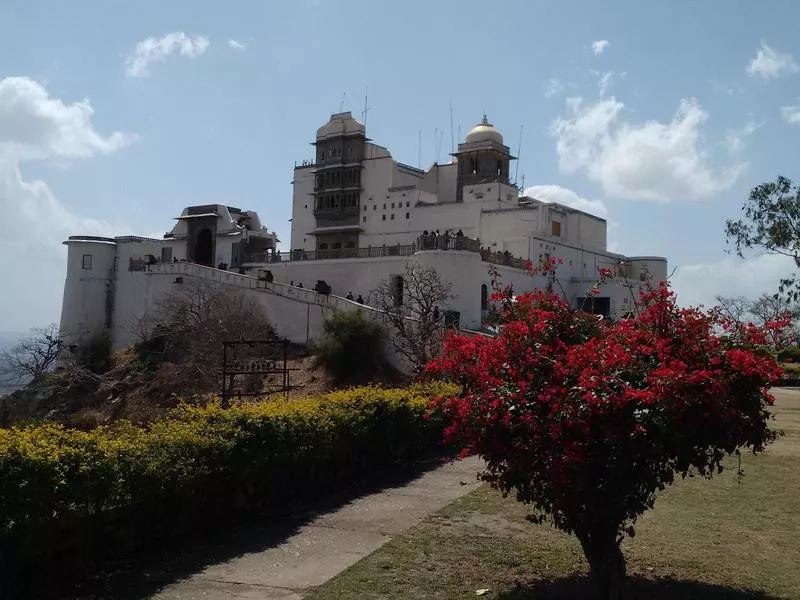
{"points": [[325, 544]]}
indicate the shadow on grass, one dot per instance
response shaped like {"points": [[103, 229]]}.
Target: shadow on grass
{"points": [[150, 571], [666, 588]]}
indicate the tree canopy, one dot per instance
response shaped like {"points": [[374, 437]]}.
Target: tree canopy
{"points": [[587, 420], [771, 223]]}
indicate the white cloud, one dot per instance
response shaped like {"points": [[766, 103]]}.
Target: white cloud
{"points": [[34, 126], [236, 45], [791, 114], [734, 138], [640, 161], [699, 283], [605, 82], [556, 193], [553, 87], [769, 63], [599, 46], [152, 50]]}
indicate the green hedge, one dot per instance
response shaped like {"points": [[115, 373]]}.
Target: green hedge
{"points": [[201, 460]]}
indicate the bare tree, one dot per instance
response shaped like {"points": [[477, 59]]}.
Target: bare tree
{"points": [[771, 308], [187, 328], [735, 308], [412, 304], [32, 357]]}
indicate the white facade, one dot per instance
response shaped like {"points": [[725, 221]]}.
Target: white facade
{"points": [[357, 219]]}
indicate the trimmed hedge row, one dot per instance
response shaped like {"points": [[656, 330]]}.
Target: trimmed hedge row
{"points": [[201, 460]]}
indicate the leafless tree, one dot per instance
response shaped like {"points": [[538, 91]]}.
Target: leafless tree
{"points": [[767, 308], [412, 304], [187, 328], [735, 308], [774, 307], [32, 357]]}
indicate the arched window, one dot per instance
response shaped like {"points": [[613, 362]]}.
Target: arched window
{"points": [[484, 297]]}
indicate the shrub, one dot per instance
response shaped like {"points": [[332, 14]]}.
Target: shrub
{"points": [[351, 346], [586, 420], [790, 354], [204, 461]]}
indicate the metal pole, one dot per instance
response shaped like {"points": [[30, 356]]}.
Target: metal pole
{"points": [[285, 366], [224, 374]]}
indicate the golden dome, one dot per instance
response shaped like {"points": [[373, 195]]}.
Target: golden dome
{"points": [[484, 132]]}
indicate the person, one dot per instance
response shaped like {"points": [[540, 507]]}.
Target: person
{"points": [[360, 299], [291, 283], [300, 284], [349, 296]]}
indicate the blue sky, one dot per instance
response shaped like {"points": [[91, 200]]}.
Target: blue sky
{"points": [[668, 124]]}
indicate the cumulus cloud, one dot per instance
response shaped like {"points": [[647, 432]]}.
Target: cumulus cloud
{"points": [[770, 64], [556, 193], [34, 126], [640, 161], [236, 45], [599, 46], [152, 50], [791, 114], [700, 283]]}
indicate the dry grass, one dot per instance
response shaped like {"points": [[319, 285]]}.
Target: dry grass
{"points": [[704, 539]]}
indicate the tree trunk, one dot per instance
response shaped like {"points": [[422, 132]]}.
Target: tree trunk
{"points": [[606, 564]]}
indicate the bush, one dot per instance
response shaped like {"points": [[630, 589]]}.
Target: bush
{"points": [[789, 355], [352, 346], [64, 491], [587, 420]]}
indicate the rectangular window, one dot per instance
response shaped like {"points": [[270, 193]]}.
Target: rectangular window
{"points": [[392, 204], [392, 216], [408, 215], [556, 228], [408, 204], [384, 207], [384, 217], [364, 219], [87, 261]]}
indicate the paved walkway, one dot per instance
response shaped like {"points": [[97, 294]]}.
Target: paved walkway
{"points": [[324, 545]]}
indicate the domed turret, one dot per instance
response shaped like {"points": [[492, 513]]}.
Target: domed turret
{"points": [[484, 132], [340, 124], [482, 158]]}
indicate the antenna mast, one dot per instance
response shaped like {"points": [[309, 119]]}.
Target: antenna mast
{"points": [[452, 142], [419, 148], [366, 108], [341, 104], [519, 153]]}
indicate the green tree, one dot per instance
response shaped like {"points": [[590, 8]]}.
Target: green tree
{"points": [[351, 347], [771, 223]]}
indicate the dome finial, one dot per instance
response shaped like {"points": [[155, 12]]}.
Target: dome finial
{"points": [[485, 120]]}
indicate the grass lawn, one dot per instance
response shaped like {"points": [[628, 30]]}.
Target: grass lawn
{"points": [[704, 539]]}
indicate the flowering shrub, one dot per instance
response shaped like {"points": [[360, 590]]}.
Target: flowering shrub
{"points": [[586, 420], [201, 459]]}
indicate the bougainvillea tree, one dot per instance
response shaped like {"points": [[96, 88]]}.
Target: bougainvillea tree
{"points": [[586, 419]]}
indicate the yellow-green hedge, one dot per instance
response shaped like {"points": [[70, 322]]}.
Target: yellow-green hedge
{"points": [[261, 451], [70, 500]]}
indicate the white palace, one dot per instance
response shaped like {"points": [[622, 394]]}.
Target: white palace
{"points": [[358, 216]]}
